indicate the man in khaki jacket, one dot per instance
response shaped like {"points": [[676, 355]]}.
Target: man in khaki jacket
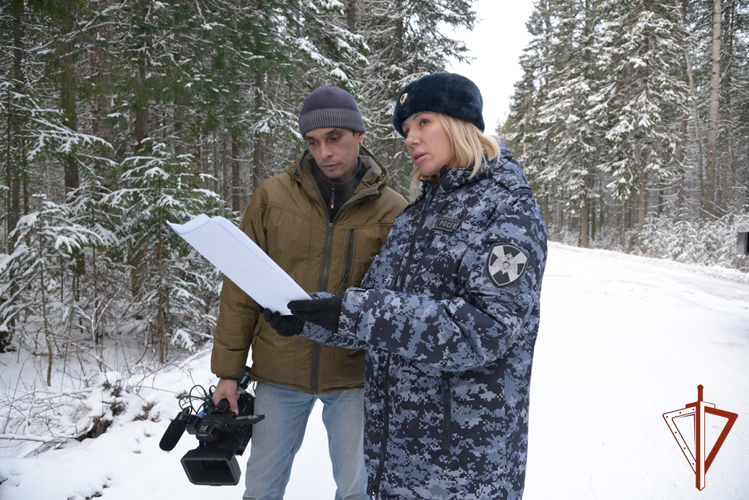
{"points": [[322, 221]]}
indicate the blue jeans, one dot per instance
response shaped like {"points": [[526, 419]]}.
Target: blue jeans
{"points": [[276, 440]]}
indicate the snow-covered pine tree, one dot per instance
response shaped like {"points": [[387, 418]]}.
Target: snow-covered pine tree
{"points": [[47, 144], [645, 98], [522, 129], [171, 285], [243, 50], [98, 288], [733, 147], [35, 279], [568, 114], [406, 40]]}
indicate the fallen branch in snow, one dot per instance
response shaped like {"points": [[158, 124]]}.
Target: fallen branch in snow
{"points": [[39, 439], [63, 394]]}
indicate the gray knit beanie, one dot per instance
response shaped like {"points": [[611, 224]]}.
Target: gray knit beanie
{"points": [[330, 107]]}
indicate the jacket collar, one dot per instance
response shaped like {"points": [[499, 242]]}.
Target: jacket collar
{"points": [[501, 167], [375, 174]]}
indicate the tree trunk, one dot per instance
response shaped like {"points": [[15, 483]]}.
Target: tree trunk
{"points": [[642, 201], [236, 183], [351, 15], [99, 110], [681, 157], [179, 118], [587, 162], [693, 95], [225, 170], [258, 153], [730, 178], [14, 129], [217, 170], [163, 300], [141, 108], [68, 101], [584, 223], [585, 211], [142, 96], [709, 206], [397, 145], [14, 165]]}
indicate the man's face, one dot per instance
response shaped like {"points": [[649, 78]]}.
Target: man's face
{"points": [[335, 150]]}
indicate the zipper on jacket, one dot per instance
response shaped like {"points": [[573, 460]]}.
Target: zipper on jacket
{"points": [[328, 250], [348, 261], [315, 367], [445, 397], [323, 286], [374, 487], [328, 254], [406, 263]]}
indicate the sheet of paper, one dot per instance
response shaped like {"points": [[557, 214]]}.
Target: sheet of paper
{"points": [[242, 261]]}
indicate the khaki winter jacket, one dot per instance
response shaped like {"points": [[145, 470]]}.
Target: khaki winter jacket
{"points": [[287, 219]]}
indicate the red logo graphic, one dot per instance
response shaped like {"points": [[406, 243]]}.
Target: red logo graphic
{"points": [[699, 410]]}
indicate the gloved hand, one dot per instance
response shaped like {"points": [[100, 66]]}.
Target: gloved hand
{"points": [[286, 326], [324, 312]]}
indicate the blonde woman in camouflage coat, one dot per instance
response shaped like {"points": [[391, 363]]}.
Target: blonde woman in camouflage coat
{"points": [[448, 312]]}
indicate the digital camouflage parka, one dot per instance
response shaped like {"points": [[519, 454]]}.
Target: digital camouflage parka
{"points": [[448, 314]]}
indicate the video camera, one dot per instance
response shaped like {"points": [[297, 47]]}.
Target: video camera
{"points": [[221, 434]]}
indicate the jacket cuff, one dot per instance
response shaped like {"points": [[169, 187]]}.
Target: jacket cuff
{"points": [[316, 332], [351, 309]]}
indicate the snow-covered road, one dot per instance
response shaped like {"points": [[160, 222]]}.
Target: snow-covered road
{"points": [[623, 340]]}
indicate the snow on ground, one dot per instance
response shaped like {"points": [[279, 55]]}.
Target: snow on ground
{"points": [[623, 340]]}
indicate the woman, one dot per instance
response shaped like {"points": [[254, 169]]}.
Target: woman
{"points": [[448, 312]]}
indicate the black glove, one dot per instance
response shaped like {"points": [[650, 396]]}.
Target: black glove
{"points": [[286, 326], [324, 312]]}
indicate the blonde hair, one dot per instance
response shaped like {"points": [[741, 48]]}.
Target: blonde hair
{"points": [[470, 146]]}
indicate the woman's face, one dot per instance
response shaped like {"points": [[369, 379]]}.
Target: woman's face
{"points": [[428, 144]]}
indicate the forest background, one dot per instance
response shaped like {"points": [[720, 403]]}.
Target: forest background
{"points": [[631, 122]]}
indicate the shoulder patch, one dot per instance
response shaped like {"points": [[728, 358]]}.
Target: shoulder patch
{"points": [[505, 264]]}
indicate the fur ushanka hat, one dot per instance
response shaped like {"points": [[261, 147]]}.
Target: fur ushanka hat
{"points": [[447, 93]]}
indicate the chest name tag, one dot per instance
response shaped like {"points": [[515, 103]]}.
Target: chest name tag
{"points": [[448, 225]]}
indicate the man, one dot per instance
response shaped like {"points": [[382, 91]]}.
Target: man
{"points": [[323, 220]]}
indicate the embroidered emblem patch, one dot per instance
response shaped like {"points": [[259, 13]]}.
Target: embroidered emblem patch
{"points": [[403, 98], [506, 264]]}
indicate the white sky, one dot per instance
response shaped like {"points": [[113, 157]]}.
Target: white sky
{"points": [[496, 43]]}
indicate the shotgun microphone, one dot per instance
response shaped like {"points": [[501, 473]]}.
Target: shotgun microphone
{"points": [[174, 431]]}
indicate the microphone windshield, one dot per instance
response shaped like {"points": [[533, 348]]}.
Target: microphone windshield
{"points": [[172, 434]]}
